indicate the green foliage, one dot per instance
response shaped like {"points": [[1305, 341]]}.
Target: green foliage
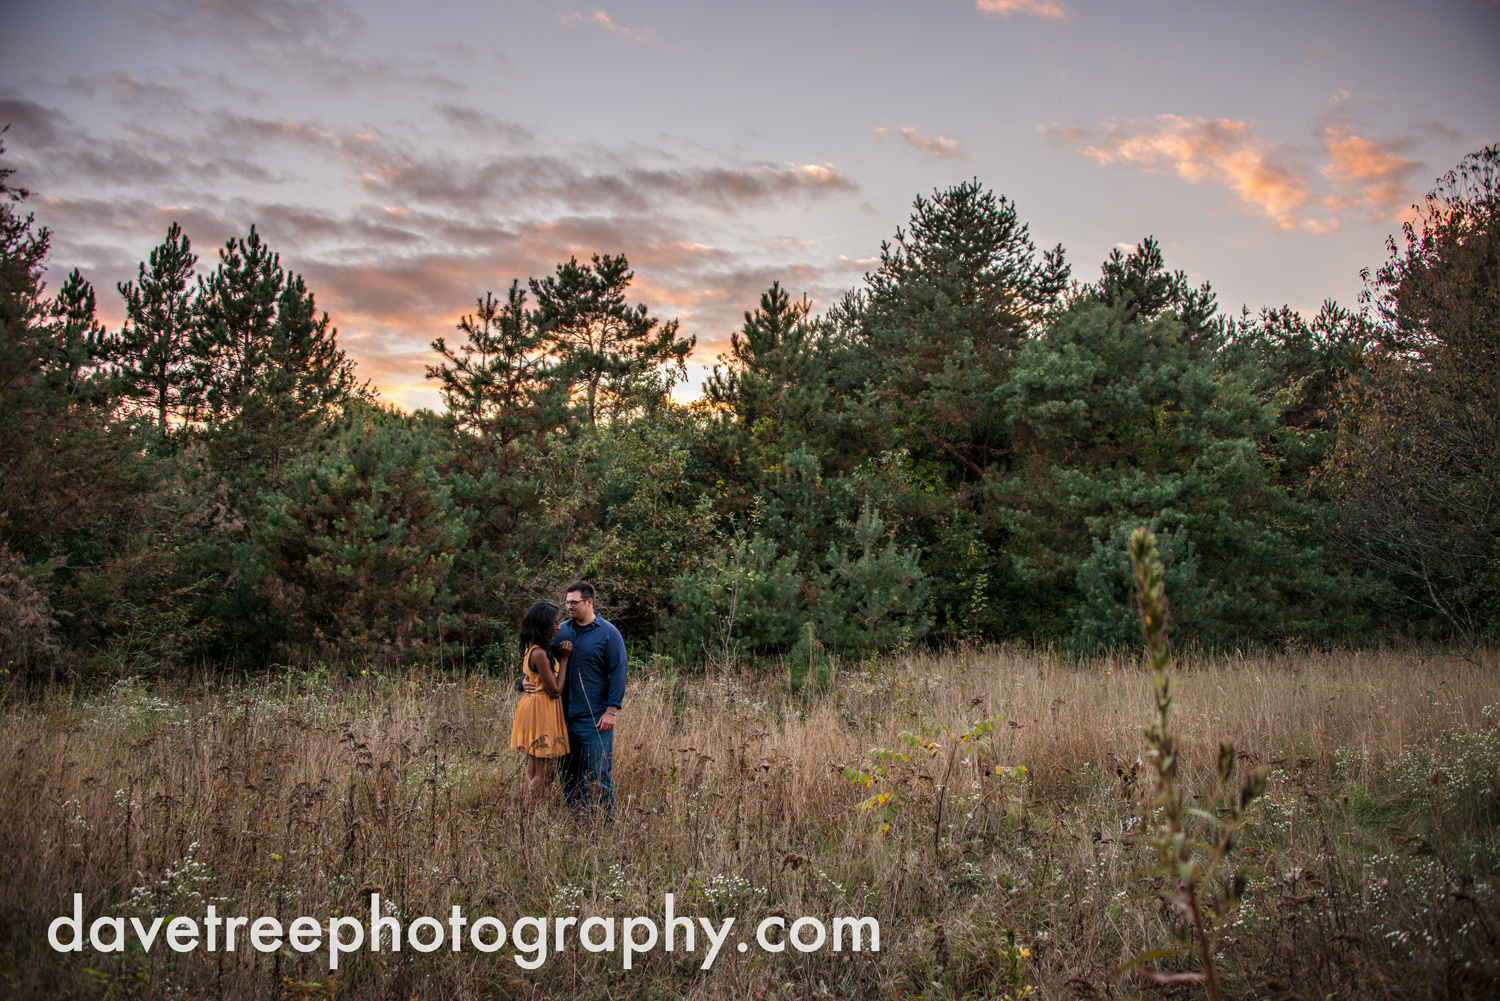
{"points": [[743, 594], [954, 451], [27, 628], [501, 384], [872, 596], [952, 299], [1105, 615], [613, 351], [651, 529], [162, 315], [1416, 470], [359, 541], [1119, 415], [268, 369]]}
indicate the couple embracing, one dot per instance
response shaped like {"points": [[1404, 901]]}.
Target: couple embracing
{"points": [[574, 683]]}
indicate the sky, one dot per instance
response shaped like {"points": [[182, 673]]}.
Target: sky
{"points": [[407, 158]]}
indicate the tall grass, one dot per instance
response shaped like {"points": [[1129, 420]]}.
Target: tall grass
{"points": [[1372, 858]]}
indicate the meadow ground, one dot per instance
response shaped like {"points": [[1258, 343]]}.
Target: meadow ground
{"points": [[1372, 860]]}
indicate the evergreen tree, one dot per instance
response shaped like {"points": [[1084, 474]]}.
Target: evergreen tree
{"points": [[79, 347], [772, 392], [654, 512], [162, 314], [1121, 413], [619, 356], [507, 416], [770, 359], [269, 365], [360, 539], [1305, 367], [952, 299], [1140, 286], [73, 487], [24, 341], [502, 384], [58, 459], [873, 599], [745, 595]]}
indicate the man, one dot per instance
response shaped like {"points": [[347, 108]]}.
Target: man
{"points": [[592, 693]]}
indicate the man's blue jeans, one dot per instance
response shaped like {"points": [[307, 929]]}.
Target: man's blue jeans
{"points": [[585, 769]]}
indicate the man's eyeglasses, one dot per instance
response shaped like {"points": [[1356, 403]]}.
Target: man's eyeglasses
{"points": [[576, 601]]}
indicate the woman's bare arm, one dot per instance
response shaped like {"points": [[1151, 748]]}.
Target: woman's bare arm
{"points": [[564, 650], [552, 680]]}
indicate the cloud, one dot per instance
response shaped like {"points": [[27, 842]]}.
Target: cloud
{"points": [[277, 21], [396, 235], [287, 40], [571, 183], [938, 147], [600, 19], [1268, 179], [1214, 150], [131, 92], [476, 122], [1005, 8], [63, 153], [1370, 174]]}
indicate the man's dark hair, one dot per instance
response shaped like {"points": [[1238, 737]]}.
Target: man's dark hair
{"points": [[583, 587], [536, 627]]}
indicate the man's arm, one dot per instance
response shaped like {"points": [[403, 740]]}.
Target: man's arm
{"points": [[615, 657]]}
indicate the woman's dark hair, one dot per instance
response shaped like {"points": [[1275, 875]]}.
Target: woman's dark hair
{"points": [[536, 627]]}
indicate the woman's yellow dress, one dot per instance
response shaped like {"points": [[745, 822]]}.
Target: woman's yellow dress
{"points": [[540, 729]]}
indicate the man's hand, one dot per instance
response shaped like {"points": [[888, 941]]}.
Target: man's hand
{"points": [[527, 684], [607, 721]]}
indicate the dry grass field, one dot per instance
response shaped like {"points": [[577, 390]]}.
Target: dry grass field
{"points": [[1371, 860]]}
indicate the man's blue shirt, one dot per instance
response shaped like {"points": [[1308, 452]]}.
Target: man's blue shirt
{"points": [[596, 668]]}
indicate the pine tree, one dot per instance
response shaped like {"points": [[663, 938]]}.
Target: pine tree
{"points": [[619, 356], [766, 360], [942, 316], [873, 598], [23, 308], [269, 365], [79, 348], [508, 418], [502, 384], [57, 463], [360, 539], [162, 313], [745, 595], [1122, 413]]}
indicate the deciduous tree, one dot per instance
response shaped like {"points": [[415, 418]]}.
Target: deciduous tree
{"points": [[1417, 464]]}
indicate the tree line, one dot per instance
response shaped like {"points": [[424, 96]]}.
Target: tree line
{"points": [[956, 450]]}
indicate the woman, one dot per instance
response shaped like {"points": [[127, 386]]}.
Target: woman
{"points": [[540, 732]]}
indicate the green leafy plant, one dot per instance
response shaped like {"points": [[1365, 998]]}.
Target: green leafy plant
{"points": [[1191, 845], [894, 768]]}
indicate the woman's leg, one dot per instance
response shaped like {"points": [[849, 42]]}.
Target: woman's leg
{"points": [[539, 773]]}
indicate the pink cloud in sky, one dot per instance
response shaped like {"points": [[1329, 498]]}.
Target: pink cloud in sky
{"points": [[1366, 173], [600, 19], [938, 147], [1005, 8], [1218, 150], [1266, 177]]}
